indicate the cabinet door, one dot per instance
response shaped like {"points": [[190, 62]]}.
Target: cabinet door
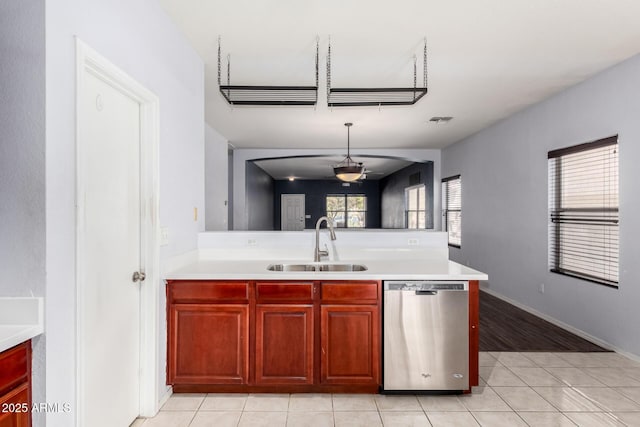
{"points": [[208, 344], [284, 344], [350, 352], [14, 408]]}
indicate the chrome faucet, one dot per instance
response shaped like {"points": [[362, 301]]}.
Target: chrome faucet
{"points": [[317, 254]]}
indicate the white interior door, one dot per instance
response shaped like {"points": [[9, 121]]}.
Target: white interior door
{"points": [[292, 212], [110, 241]]}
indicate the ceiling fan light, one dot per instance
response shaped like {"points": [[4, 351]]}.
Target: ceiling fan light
{"points": [[348, 173]]}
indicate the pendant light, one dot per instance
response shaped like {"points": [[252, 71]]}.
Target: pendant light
{"points": [[348, 170]]}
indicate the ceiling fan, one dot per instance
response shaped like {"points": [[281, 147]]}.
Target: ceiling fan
{"points": [[348, 170]]}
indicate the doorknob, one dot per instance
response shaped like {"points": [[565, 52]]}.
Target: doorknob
{"points": [[138, 276]]}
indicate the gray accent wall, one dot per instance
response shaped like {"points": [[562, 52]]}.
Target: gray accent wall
{"points": [[315, 202], [504, 204], [22, 163], [260, 191], [392, 198]]}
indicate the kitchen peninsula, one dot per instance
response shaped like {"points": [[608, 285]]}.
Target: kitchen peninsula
{"points": [[235, 325]]}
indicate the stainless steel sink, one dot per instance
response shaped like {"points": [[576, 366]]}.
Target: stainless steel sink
{"points": [[317, 267]]}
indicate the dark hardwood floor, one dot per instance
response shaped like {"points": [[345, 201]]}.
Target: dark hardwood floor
{"points": [[505, 327]]}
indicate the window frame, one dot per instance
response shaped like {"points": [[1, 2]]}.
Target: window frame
{"points": [[407, 190], [346, 210], [556, 210], [446, 209]]}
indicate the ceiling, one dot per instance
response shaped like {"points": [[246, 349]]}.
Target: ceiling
{"points": [[321, 167], [487, 60]]}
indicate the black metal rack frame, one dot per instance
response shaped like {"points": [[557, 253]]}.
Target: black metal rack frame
{"points": [[361, 97], [266, 95]]}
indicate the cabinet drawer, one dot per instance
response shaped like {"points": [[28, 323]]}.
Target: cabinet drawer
{"points": [[283, 292], [187, 291], [14, 367], [350, 292]]}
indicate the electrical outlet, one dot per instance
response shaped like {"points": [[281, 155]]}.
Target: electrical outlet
{"points": [[195, 214], [252, 242], [413, 242], [541, 288]]}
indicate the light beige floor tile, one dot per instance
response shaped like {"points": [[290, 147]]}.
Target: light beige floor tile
{"points": [[574, 377], [170, 419], [546, 419], [183, 402], [224, 402], [486, 359], [594, 419], [567, 399], [584, 360], [137, 422], [536, 377], [499, 419], [513, 359], [484, 399], [310, 419], [267, 402], [451, 419], [216, 419], [263, 419], [633, 373], [632, 393], [612, 377], [357, 419], [354, 402], [441, 403], [608, 399], [523, 399], [500, 376], [628, 418], [310, 402], [404, 419], [397, 403], [616, 360], [547, 360]]}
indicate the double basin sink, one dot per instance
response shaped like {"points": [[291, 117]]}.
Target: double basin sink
{"points": [[315, 267]]}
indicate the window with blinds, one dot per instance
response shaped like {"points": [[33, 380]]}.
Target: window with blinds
{"points": [[452, 211], [583, 211]]}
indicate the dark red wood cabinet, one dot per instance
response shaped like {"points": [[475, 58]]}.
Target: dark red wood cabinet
{"points": [[285, 336], [15, 386]]}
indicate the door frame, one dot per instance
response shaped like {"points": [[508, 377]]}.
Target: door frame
{"points": [[304, 207], [90, 61]]}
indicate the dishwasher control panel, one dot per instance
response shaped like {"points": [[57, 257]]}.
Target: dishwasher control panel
{"points": [[425, 286]]}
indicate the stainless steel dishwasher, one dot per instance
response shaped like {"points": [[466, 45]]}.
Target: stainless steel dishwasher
{"points": [[426, 336]]}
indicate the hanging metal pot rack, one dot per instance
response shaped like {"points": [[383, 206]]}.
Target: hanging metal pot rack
{"points": [[266, 95], [359, 97]]}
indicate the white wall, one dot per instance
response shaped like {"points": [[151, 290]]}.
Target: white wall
{"points": [[137, 36], [22, 161], [241, 156], [216, 167], [504, 203]]}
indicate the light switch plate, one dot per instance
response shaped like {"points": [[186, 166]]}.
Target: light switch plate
{"points": [[164, 236]]}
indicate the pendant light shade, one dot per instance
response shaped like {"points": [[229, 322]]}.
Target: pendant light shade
{"points": [[348, 170]]}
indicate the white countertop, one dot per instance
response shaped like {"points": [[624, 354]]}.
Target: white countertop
{"points": [[378, 269], [21, 319]]}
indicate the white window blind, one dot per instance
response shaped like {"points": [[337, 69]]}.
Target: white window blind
{"points": [[452, 212], [583, 211]]}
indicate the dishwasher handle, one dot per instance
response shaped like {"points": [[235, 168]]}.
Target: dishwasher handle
{"points": [[422, 292]]}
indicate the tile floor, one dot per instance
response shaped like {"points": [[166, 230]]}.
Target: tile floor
{"points": [[518, 389]]}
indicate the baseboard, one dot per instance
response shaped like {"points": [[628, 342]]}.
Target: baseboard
{"points": [[560, 324], [167, 394]]}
